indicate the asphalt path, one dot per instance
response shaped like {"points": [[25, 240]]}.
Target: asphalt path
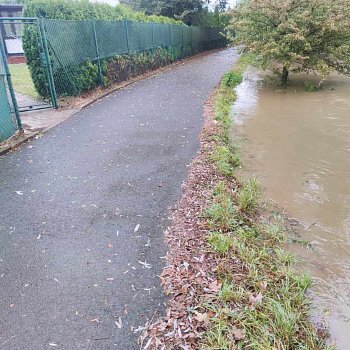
{"points": [[84, 207]]}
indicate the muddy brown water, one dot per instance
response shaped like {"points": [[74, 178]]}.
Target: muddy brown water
{"points": [[298, 145]]}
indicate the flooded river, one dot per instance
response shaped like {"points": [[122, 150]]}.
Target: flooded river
{"points": [[298, 144]]}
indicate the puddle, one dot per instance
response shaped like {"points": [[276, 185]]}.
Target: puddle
{"points": [[298, 145]]}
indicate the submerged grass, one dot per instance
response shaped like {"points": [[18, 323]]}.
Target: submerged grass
{"points": [[265, 306]]}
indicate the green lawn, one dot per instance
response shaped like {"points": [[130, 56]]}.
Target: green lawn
{"points": [[22, 81]]}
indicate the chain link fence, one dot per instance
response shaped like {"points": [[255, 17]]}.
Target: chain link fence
{"points": [[9, 123], [84, 54]]}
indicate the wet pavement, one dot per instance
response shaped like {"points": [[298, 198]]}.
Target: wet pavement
{"points": [[83, 211]]}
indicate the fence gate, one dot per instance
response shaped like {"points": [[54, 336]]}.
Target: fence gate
{"points": [[23, 41], [9, 115]]}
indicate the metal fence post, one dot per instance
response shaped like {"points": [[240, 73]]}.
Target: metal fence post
{"points": [[42, 36], [191, 31], [127, 43], [182, 40], [153, 35], [127, 35], [9, 83], [169, 30], [218, 36], [100, 76], [209, 38], [170, 41]]}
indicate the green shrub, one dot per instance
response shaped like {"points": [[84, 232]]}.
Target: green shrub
{"points": [[31, 48], [231, 79], [122, 67]]}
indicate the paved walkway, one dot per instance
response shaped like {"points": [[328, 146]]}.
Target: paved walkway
{"points": [[83, 209], [24, 101]]}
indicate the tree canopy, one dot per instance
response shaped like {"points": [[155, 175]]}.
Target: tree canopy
{"points": [[189, 11], [180, 9], [295, 35], [83, 9]]}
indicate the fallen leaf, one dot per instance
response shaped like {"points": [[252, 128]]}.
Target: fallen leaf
{"points": [[263, 286], [145, 264], [255, 300], [119, 324], [215, 286], [202, 317], [238, 333], [148, 344]]}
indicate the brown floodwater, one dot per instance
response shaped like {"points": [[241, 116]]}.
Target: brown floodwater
{"points": [[297, 144]]}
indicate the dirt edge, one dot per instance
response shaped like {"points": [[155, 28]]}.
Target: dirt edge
{"points": [[185, 275]]}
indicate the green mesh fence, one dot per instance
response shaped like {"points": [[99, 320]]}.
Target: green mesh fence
{"points": [[8, 122], [105, 30], [84, 54]]}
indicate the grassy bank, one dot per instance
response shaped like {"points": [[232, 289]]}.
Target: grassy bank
{"points": [[265, 307], [231, 284]]}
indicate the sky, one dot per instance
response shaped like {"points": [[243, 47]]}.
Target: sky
{"points": [[114, 2]]}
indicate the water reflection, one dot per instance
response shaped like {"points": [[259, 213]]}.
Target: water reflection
{"points": [[247, 97], [298, 145]]}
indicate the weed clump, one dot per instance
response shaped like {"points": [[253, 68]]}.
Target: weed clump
{"points": [[249, 195], [310, 87], [220, 242], [225, 159], [222, 214], [231, 79]]}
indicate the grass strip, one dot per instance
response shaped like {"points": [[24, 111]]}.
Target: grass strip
{"points": [[231, 284], [22, 81]]}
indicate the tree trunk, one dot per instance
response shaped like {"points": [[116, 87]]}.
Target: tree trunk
{"points": [[285, 74]]}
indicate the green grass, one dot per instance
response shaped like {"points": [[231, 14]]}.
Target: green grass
{"points": [[227, 292], [221, 213], [266, 308], [225, 159], [220, 242], [22, 81], [231, 79], [249, 195]]}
